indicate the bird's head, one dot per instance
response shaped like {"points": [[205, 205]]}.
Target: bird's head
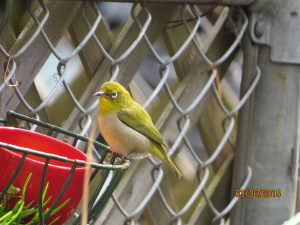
{"points": [[113, 97]]}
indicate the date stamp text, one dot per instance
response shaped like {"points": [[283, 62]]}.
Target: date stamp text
{"points": [[256, 193]]}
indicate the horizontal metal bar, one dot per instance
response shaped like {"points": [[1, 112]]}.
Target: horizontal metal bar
{"points": [[200, 2], [53, 128], [123, 166]]}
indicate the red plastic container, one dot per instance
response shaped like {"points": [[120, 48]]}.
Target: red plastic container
{"points": [[57, 172]]}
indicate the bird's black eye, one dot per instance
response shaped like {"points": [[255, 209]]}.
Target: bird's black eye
{"points": [[114, 94]]}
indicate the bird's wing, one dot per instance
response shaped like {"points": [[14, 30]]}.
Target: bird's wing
{"points": [[140, 121]]}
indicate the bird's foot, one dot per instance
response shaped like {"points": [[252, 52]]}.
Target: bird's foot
{"points": [[116, 155]]}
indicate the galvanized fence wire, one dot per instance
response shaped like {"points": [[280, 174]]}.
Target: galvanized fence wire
{"points": [[164, 71]]}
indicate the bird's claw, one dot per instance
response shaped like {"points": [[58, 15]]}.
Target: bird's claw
{"points": [[116, 155]]}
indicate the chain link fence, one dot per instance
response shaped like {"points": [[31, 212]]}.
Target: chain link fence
{"points": [[119, 61]]}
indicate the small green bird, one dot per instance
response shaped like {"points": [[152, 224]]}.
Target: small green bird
{"points": [[127, 127]]}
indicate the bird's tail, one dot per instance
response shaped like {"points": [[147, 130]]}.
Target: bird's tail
{"points": [[160, 152], [173, 168]]}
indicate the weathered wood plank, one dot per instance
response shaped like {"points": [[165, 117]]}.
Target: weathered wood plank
{"points": [[218, 191], [210, 121], [189, 64], [128, 68], [32, 60], [211, 131], [7, 38], [33, 99], [91, 56]]}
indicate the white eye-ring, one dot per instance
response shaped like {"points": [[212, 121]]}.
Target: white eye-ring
{"points": [[114, 94]]}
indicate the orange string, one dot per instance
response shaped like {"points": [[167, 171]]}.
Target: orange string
{"points": [[10, 85], [216, 73], [15, 81]]}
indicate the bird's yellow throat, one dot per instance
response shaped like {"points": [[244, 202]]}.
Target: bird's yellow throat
{"points": [[106, 106]]}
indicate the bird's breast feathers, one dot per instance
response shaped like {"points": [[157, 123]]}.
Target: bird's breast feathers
{"points": [[123, 139]]}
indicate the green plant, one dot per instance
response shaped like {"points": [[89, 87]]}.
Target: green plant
{"points": [[20, 211]]}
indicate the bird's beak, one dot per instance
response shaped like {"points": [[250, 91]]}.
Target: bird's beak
{"points": [[100, 93]]}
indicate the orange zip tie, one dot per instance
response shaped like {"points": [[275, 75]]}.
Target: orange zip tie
{"points": [[216, 73], [10, 85]]}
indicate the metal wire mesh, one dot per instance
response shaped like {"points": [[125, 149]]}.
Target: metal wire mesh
{"points": [[115, 68]]}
